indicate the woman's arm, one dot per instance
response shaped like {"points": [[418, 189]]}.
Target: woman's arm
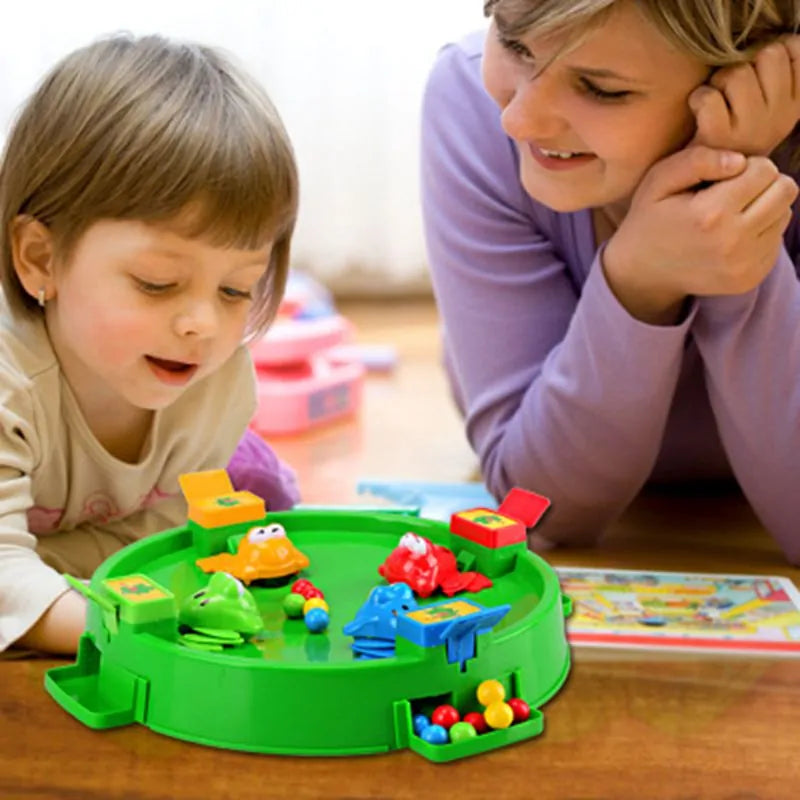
{"points": [[750, 342], [750, 345]]}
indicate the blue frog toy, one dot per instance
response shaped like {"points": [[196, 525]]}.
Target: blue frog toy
{"points": [[374, 627]]}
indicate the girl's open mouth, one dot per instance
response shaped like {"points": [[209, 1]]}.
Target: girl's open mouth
{"points": [[175, 373]]}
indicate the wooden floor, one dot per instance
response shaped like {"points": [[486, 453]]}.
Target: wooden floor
{"points": [[408, 428]]}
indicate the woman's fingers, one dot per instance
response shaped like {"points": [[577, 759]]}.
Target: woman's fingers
{"points": [[738, 193], [712, 115], [741, 88], [792, 45], [684, 170], [773, 66], [753, 106], [771, 206]]}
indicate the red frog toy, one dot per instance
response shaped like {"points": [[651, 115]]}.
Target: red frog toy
{"points": [[426, 567]]}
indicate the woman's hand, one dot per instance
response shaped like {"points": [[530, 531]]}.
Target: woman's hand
{"points": [[752, 107], [676, 241]]}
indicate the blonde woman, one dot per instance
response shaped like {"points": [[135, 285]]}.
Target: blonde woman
{"points": [[148, 194], [608, 200]]}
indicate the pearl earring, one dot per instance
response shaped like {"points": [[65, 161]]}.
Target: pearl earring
{"points": [[40, 297]]}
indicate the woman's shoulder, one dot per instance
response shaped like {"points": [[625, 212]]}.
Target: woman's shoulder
{"points": [[467, 49], [456, 70], [462, 135]]}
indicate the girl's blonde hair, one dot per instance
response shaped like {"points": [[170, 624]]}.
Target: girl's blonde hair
{"points": [[145, 129]]}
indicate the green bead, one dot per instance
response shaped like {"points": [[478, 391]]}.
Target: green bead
{"points": [[293, 605], [462, 731]]}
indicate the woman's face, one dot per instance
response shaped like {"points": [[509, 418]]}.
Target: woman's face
{"points": [[591, 124]]}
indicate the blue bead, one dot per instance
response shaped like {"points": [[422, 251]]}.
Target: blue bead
{"points": [[420, 723], [316, 619], [435, 734]]}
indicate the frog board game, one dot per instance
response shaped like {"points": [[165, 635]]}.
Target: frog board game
{"points": [[323, 632], [685, 611]]}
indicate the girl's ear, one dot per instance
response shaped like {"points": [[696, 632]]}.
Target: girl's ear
{"points": [[33, 254]]}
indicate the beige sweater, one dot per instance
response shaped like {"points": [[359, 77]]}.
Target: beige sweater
{"points": [[65, 502]]}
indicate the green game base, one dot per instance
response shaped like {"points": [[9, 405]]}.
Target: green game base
{"points": [[293, 692]]}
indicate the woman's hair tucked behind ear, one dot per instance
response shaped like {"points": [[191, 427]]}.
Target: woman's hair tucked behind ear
{"points": [[147, 129]]}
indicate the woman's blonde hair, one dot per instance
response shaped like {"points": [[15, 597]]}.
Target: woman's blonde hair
{"points": [[717, 32], [144, 129]]}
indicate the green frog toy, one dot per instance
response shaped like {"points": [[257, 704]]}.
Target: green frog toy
{"points": [[223, 614]]}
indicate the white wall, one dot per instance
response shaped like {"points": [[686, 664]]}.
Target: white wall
{"points": [[347, 76]]}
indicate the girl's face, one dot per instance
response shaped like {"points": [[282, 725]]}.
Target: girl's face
{"points": [[141, 312], [615, 105]]}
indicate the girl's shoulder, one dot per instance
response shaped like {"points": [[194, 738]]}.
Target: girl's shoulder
{"points": [[25, 349]]}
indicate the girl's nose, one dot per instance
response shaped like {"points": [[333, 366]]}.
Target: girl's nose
{"points": [[197, 318], [532, 110]]}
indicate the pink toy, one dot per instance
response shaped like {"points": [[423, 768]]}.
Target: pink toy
{"points": [[301, 380]]}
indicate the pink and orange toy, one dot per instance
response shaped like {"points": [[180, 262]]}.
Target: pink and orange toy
{"points": [[302, 381]]}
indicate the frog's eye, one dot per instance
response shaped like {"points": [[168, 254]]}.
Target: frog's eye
{"points": [[413, 543], [198, 595], [274, 531]]}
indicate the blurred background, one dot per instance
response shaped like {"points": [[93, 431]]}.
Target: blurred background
{"points": [[347, 77]]}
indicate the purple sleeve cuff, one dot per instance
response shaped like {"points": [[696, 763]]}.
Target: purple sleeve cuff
{"points": [[255, 468]]}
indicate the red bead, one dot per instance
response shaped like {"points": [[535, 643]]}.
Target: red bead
{"points": [[446, 716], [313, 592], [300, 586], [521, 709], [477, 721]]}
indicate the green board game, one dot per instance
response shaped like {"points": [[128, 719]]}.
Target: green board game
{"points": [[286, 689]]}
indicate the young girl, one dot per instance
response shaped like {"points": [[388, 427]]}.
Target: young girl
{"points": [[147, 196], [614, 250]]}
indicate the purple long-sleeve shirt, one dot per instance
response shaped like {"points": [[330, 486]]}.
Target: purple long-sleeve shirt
{"points": [[564, 392]]}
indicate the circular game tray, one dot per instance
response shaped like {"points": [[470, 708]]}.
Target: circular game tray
{"points": [[288, 690]]}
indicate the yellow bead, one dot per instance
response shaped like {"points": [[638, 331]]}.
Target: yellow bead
{"points": [[491, 692], [314, 602], [499, 715]]}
